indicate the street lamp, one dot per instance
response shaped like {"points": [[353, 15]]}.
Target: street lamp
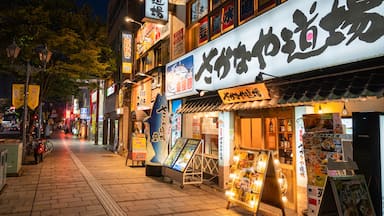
{"points": [[12, 52], [130, 20], [44, 56]]}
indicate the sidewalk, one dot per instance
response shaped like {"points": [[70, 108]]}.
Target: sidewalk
{"points": [[80, 178]]}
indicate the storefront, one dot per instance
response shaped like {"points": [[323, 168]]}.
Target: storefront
{"points": [[304, 67]]}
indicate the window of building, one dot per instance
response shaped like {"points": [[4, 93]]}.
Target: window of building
{"points": [[203, 126]]}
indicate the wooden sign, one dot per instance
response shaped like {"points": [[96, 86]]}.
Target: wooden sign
{"points": [[253, 179], [244, 93]]}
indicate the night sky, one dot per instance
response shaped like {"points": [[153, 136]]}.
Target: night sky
{"points": [[100, 7]]}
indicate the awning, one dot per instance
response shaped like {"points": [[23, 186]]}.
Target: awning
{"points": [[339, 87], [313, 89], [208, 104]]}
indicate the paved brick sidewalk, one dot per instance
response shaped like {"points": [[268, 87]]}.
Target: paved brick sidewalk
{"points": [[79, 178]]}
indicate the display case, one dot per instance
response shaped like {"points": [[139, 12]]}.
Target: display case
{"points": [[182, 165], [285, 140]]}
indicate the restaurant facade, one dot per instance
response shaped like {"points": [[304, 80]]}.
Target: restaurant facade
{"points": [[248, 82]]}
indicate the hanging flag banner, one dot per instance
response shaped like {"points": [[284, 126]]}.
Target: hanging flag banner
{"points": [[33, 96], [159, 122], [17, 95]]}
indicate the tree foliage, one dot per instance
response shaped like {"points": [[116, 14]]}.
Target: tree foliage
{"points": [[77, 39]]}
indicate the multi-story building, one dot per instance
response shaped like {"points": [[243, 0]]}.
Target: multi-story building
{"points": [[242, 73]]}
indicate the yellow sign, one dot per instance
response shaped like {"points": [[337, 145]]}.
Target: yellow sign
{"points": [[244, 93], [127, 67], [33, 96], [17, 95]]}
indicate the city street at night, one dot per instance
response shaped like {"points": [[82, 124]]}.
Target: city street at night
{"points": [[80, 178]]}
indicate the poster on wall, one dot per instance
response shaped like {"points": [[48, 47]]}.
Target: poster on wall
{"points": [[216, 24], [228, 15], [178, 43], [247, 8], [203, 30], [159, 132], [179, 78], [175, 122]]}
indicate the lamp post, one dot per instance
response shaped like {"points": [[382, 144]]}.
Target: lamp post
{"points": [[44, 56], [12, 52]]}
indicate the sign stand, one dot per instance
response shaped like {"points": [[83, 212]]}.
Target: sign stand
{"points": [[254, 180], [183, 165]]}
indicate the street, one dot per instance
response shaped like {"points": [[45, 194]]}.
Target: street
{"points": [[80, 178]]}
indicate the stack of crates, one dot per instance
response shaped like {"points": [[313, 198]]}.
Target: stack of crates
{"points": [[3, 167]]}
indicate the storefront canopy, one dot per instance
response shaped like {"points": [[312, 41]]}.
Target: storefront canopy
{"points": [[208, 104], [333, 87]]}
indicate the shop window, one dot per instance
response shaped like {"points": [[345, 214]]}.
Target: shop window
{"points": [[198, 9], [203, 126]]}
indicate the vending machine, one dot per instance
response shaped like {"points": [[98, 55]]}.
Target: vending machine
{"points": [[368, 153]]}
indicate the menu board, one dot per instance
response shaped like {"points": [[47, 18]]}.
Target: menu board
{"points": [[175, 152], [247, 178], [186, 154], [319, 149], [352, 196]]}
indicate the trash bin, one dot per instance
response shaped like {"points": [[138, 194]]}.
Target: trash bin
{"points": [[3, 167]]}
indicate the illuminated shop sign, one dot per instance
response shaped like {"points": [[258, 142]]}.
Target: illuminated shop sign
{"points": [[126, 52], [296, 36], [179, 78], [244, 93], [156, 10]]}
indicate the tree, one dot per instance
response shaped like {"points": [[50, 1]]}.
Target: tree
{"points": [[76, 38]]}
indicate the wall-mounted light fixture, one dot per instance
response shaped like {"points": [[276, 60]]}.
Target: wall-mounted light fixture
{"points": [[259, 77], [201, 92], [130, 20], [144, 75], [128, 81]]}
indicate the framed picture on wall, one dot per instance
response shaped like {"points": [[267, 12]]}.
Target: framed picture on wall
{"points": [[263, 4], [215, 3], [246, 10], [203, 30], [228, 16], [199, 8], [215, 25]]}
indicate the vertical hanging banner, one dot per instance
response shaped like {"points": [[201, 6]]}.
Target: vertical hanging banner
{"points": [[33, 96], [17, 95], [159, 123], [126, 51], [156, 10]]}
